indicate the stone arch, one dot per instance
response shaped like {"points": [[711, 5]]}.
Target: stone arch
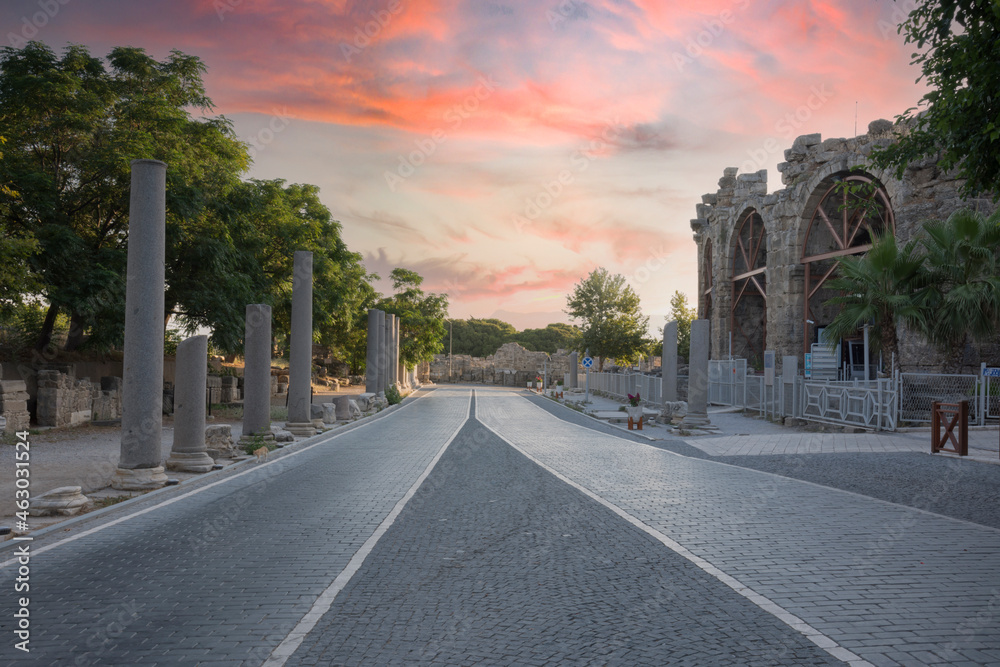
{"points": [[837, 223], [748, 274]]}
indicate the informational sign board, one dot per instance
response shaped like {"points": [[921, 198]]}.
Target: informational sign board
{"points": [[991, 372], [588, 362], [769, 368], [807, 365]]}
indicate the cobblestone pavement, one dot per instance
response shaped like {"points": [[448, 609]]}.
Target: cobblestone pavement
{"points": [[572, 546], [221, 576], [891, 584], [960, 488], [495, 561]]}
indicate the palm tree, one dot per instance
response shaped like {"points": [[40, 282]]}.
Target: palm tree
{"points": [[963, 280], [880, 288]]}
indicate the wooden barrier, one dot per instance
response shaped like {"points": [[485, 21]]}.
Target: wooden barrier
{"points": [[950, 415]]}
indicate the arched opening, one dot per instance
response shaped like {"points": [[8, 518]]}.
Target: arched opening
{"points": [[706, 294], [850, 212], [749, 311]]}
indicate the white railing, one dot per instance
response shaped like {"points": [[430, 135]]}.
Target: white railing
{"points": [[880, 404], [619, 385], [867, 405], [727, 382]]}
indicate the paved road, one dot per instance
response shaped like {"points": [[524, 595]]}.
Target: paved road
{"points": [[891, 584], [513, 537], [222, 576]]}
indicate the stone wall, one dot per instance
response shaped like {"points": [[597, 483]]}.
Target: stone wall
{"points": [[14, 405], [63, 400], [813, 166], [511, 365]]}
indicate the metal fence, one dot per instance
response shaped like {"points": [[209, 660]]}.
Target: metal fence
{"points": [[619, 385], [917, 391], [867, 405], [991, 397], [881, 404], [727, 381]]}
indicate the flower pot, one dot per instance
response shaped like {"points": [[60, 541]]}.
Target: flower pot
{"points": [[634, 413]]}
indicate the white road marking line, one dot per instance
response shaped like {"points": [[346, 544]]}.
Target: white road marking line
{"points": [[294, 639], [762, 602], [165, 503]]}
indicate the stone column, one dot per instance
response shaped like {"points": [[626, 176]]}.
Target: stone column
{"points": [[188, 453], [371, 360], [140, 463], [668, 364], [257, 372], [390, 354], [574, 365], [300, 354], [697, 412], [380, 348], [400, 375]]}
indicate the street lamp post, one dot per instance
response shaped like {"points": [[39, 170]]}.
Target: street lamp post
{"points": [[451, 378]]}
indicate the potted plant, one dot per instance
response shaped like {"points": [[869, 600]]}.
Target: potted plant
{"points": [[538, 382], [634, 408]]}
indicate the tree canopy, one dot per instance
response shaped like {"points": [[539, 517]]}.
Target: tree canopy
{"points": [[73, 127], [552, 338], [945, 285], [613, 326], [959, 56], [476, 337], [422, 317], [684, 315], [75, 122]]}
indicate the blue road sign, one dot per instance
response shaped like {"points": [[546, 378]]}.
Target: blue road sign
{"points": [[588, 362], [991, 372]]}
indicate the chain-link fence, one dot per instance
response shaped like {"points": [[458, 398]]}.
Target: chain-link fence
{"points": [[991, 397], [918, 391]]}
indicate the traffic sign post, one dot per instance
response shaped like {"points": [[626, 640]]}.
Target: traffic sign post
{"points": [[588, 361]]}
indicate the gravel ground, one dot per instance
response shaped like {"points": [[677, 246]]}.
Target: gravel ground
{"points": [[966, 490]]}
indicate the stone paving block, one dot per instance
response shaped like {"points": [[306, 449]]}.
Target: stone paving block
{"points": [[499, 561], [250, 555], [746, 523]]}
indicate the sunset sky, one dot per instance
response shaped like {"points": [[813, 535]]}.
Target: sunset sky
{"points": [[505, 149]]}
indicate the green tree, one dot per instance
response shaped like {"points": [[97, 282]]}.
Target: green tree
{"points": [[553, 337], [74, 126], [963, 282], [422, 317], [684, 315], [882, 289], [959, 56], [259, 226], [17, 280], [476, 337], [613, 326]]}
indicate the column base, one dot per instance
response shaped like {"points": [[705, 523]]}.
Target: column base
{"points": [[138, 479], [190, 462], [301, 429], [247, 437], [698, 421]]}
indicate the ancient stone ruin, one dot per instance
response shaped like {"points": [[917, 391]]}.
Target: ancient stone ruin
{"points": [[765, 259]]}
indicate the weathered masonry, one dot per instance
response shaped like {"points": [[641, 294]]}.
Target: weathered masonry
{"points": [[765, 259]]}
